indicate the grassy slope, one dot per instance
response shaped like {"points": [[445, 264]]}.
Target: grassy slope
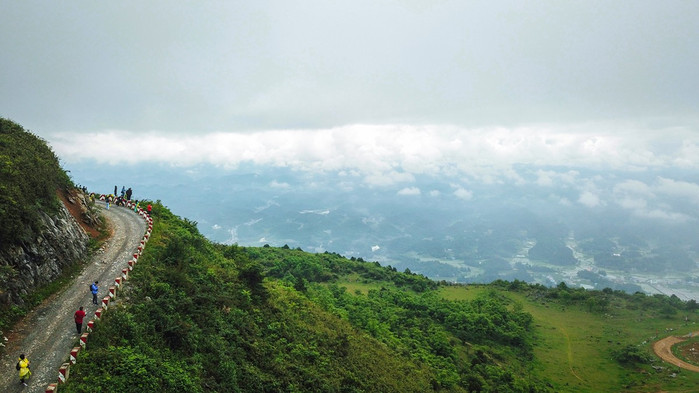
{"points": [[573, 347]]}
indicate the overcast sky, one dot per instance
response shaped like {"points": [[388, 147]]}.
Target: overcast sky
{"points": [[403, 86]]}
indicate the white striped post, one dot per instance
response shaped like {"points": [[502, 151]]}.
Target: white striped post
{"points": [[135, 257], [63, 373], [91, 325], [52, 388], [105, 302], [125, 274], [131, 264], [117, 281], [83, 340], [112, 292], [74, 355], [98, 314]]}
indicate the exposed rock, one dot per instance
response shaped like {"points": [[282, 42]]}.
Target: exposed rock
{"points": [[61, 243]]}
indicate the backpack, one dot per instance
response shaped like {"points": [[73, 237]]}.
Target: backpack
{"points": [[17, 365]]}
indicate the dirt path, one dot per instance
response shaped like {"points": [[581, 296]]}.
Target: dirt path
{"points": [[48, 333], [663, 348]]}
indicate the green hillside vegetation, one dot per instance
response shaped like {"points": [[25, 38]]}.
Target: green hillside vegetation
{"points": [[30, 174], [208, 317]]}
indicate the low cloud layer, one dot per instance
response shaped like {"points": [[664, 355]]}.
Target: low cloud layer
{"points": [[395, 154]]}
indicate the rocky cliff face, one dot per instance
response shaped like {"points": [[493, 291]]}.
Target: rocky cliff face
{"points": [[61, 243]]}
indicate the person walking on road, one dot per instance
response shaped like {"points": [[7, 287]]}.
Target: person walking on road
{"points": [[79, 315], [23, 367], [94, 289]]}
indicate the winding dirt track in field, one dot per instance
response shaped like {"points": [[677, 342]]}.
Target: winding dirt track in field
{"points": [[47, 334], [663, 348]]}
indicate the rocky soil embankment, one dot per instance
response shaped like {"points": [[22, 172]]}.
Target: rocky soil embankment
{"points": [[62, 242]]}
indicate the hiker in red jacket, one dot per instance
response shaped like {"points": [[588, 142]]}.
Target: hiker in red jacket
{"points": [[79, 315]]}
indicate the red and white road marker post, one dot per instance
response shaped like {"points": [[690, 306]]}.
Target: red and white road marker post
{"points": [[74, 355], [83, 340], [63, 373]]}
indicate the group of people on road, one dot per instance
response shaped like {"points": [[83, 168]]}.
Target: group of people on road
{"points": [[79, 316]]}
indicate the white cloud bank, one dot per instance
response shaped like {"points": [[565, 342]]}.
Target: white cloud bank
{"points": [[391, 154]]}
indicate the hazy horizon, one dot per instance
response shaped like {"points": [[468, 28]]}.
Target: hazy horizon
{"points": [[579, 117]]}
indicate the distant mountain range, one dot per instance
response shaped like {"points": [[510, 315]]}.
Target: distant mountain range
{"points": [[594, 229]]}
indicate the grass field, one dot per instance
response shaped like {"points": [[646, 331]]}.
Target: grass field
{"points": [[574, 346]]}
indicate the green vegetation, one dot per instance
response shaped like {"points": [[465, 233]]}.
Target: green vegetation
{"points": [[30, 174], [598, 341], [206, 317], [210, 317]]}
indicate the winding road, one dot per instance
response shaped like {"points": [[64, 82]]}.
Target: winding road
{"points": [[47, 334], [663, 348]]}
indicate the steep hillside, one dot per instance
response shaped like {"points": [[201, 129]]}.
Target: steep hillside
{"points": [[208, 317], [40, 238]]}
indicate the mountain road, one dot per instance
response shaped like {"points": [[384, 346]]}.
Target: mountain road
{"points": [[47, 334]]}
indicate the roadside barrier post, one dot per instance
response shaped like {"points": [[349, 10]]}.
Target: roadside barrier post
{"points": [[63, 373], [91, 325], [125, 274], [83, 340], [74, 355], [105, 302], [112, 292], [98, 314], [52, 388]]}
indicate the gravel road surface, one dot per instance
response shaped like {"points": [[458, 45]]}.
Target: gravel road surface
{"points": [[47, 334]]}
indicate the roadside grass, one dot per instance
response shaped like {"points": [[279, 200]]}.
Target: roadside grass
{"points": [[573, 347], [678, 349]]}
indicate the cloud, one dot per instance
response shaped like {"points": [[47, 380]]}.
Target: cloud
{"points": [[549, 178], [660, 199], [463, 193], [385, 155], [270, 65], [409, 191], [589, 199], [680, 189], [276, 184]]}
